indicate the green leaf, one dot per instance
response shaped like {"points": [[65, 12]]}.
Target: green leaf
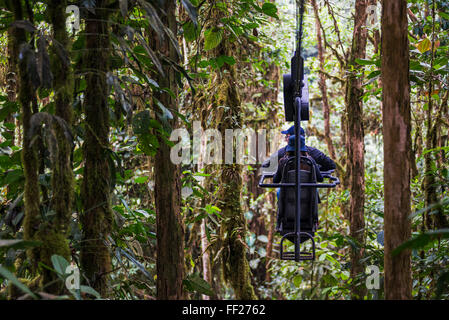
{"points": [[141, 180], [422, 240], [270, 9], [212, 38], [221, 60], [60, 264], [374, 74], [13, 176], [297, 281], [440, 62], [444, 15], [365, 62], [89, 290], [190, 31], [7, 109], [194, 283], [9, 126], [19, 244], [415, 65], [9, 276]]}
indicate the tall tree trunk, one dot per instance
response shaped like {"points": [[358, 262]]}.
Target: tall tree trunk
{"points": [[355, 144], [170, 228], [322, 83], [29, 154], [397, 145], [437, 220], [97, 217], [233, 229], [54, 232]]}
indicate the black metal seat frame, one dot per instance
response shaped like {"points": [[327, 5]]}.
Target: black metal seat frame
{"points": [[299, 236]]}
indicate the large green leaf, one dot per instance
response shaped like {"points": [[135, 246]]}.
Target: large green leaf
{"points": [[270, 9], [5, 273], [444, 15], [422, 240], [8, 108], [141, 180], [194, 283], [190, 31], [212, 38], [19, 244], [365, 62], [60, 264], [89, 290]]}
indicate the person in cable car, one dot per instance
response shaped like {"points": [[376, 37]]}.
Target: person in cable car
{"points": [[286, 196], [289, 153], [324, 162]]}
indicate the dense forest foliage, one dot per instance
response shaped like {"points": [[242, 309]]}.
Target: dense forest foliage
{"points": [[99, 97]]}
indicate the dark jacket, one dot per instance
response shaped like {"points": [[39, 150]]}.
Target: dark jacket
{"points": [[324, 162]]}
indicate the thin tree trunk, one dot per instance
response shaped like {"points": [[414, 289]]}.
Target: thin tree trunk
{"points": [[322, 83], [438, 219], [355, 145], [11, 75], [170, 228], [97, 217], [207, 271], [397, 146], [205, 255], [271, 232]]}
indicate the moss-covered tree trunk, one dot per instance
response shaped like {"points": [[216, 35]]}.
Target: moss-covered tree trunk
{"points": [[228, 115], [169, 225], [96, 218], [233, 228], [355, 145], [29, 154], [11, 75], [53, 232], [397, 146]]}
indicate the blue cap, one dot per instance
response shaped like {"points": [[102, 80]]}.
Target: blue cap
{"points": [[291, 131], [291, 144]]}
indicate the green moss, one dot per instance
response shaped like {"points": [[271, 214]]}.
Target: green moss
{"points": [[236, 268]]}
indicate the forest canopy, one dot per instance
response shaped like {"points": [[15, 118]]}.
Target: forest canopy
{"points": [[134, 133]]}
